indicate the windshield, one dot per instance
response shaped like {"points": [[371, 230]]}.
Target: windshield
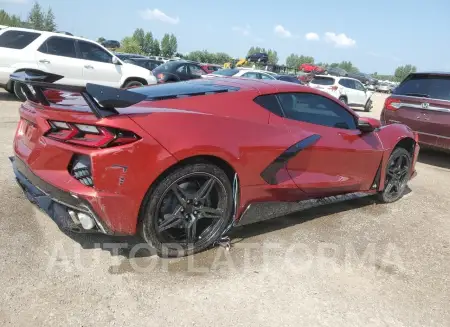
{"points": [[226, 72]]}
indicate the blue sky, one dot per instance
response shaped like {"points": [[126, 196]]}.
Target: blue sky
{"points": [[377, 36]]}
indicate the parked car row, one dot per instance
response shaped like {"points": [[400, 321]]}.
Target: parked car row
{"points": [[79, 60]]}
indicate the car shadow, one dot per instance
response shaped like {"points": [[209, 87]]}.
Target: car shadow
{"points": [[127, 245], [434, 158], [6, 96]]}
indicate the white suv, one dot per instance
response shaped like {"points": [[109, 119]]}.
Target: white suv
{"points": [[79, 60], [348, 90]]}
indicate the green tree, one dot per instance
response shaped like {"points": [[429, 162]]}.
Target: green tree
{"points": [[101, 40], [156, 50], [130, 45], [139, 37], [348, 66], [294, 61], [10, 20], [273, 57], [173, 45], [148, 43], [402, 71], [36, 18], [49, 21], [165, 45]]}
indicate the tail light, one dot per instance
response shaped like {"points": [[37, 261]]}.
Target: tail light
{"points": [[392, 104], [89, 135], [80, 169], [160, 77], [334, 88]]}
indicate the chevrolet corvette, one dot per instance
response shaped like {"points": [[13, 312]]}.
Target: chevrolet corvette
{"points": [[183, 163]]}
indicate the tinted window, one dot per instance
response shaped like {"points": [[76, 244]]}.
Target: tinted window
{"points": [[182, 69], [264, 76], [344, 82], [323, 80], [316, 109], [59, 46], [17, 39], [227, 72], [350, 83], [91, 51], [291, 79], [270, 103], [196, 70], [169, 66], [251, 75], [432, 86], [359, 86]]}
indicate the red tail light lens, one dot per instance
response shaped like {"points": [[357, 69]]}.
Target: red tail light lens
{"points": [[392, 104], [160, 77], [90, 135], [334, 88]]}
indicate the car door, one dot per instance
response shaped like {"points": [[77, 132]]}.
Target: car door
{"points": [[182, 72], [97, 65], [360, 93], [58, 55], [195, 71], [332, 156], [350, 90]]}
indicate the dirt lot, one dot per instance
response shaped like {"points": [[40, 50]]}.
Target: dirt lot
{"points": [[351, 264]]}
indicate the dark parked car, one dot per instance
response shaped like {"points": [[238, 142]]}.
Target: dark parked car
{"points": [[336, 71], [288, 78], [125, 56], [180, 70], [258, 57], [363, 78], [422, 101], [111, 44], [149, 64]]}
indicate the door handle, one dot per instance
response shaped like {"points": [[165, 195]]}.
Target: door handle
{"points": [[88, 67], [44, 61]]}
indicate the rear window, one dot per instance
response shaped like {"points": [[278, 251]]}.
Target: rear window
{"points": [[323, 80], [425, 85], [17, 39], [227, 72]]}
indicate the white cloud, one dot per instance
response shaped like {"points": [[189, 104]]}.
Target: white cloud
{"points": [[282, 32], [312, 36], [339, 40], [19, 2], [245, 31], [156, 14]]}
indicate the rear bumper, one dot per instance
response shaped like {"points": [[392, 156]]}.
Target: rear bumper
{"points": [[55, 202]]}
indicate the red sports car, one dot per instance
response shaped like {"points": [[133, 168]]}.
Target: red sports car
{"points": [[309, 68], [182, 163]]}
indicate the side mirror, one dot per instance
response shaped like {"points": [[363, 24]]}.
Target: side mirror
{"points": [[116, 61], [367, 125]]}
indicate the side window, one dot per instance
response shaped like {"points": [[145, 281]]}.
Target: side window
{"points": [[91, 51], [59, 46], [182, 69], [252, 75], [269, 102], [196, 70], [351, 84], [359, 86], [264, 76], [17, 39], [316, 109], [343, 82]]}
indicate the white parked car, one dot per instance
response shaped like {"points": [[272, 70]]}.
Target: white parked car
{"points": [[79, 60], [242, 72], [348, 90]]}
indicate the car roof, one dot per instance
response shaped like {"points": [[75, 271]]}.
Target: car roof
{"points": [[46, 33], [337, 77]]}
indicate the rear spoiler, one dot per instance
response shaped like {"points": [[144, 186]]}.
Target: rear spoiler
{"points": [[102, 100]]}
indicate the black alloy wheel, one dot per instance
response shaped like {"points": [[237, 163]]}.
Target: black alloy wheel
{"points": [[188, 211], [398, 171]]}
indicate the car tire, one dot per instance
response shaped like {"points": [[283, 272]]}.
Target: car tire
{"points": [[398, 170], [343, 100], [133, 83], [17, 88], [183, 214], [369, 105]]}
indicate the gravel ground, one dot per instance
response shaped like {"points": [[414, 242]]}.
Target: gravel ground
{"points": [[356, 263]]}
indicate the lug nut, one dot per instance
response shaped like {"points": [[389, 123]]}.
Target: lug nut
{"points": [[195, 212]]}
